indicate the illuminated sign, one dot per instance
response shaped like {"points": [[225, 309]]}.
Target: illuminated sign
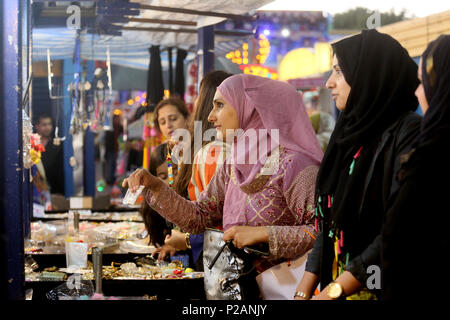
{"points": [[259, 70], [306, 62], [264, 49], [238, 57], [241, 57]]}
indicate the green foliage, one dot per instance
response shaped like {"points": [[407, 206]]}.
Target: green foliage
{"points": [[356, 18]]}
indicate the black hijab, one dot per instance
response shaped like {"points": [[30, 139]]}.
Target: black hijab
{"points": [[423, 192], [436, 82], [383, 78]]}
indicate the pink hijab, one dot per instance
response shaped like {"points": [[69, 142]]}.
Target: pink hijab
{"points": [[262, 103]]}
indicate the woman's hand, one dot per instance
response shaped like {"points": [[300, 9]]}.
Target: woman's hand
{"points": [[350, 285], [176, 240], [244, 236], [144, 178], [323, 295], [164, 251], [307, 285]]}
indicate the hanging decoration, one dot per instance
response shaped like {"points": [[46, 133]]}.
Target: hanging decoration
{"points": [[57, 139], [107, 119], [179, 73], [155, 93], [191, 85], [103, 95], [169, 167], [32, 146], [99, 101], [75, 119], [151, 138]]}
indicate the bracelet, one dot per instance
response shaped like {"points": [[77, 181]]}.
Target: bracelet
{"points": [[301, 294], [188, 242]]}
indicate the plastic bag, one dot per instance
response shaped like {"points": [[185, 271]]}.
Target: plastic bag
{"points": [[131, 197], [72, 289], [41, 231], [118, 231], [137, 246], [76, 254], [129, 268]]}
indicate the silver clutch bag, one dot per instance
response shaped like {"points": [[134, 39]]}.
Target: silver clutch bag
{"points": [[229, 273]]}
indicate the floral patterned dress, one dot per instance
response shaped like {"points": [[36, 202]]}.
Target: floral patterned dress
{"points": [[283, 201]]}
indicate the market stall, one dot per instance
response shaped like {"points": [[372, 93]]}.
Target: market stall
{"points": [[71, 52], [128, 269]]}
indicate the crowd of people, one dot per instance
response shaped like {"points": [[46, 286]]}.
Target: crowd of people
{"points": [[364, 193], [380, 183]]}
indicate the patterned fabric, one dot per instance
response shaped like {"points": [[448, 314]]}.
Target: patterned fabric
{"points": [[206, 162], [285, 205], [253, 99]]}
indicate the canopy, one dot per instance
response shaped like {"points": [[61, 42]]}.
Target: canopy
{"points": [[131, 48]]}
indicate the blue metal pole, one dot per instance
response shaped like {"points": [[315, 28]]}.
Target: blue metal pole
{"points": [[67, 145], [26, 72], [89, 147], [205, 36], [89, 163], [11, 162]]}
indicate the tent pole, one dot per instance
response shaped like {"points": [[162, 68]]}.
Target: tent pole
{"points": [[11, 159], [205, 51]]}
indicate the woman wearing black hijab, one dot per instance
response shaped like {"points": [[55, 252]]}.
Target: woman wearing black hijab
{"points": [[415, 233], [373, 83]]}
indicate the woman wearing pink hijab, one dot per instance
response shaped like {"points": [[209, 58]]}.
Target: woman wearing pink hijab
{"points": [[258, 196]]}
